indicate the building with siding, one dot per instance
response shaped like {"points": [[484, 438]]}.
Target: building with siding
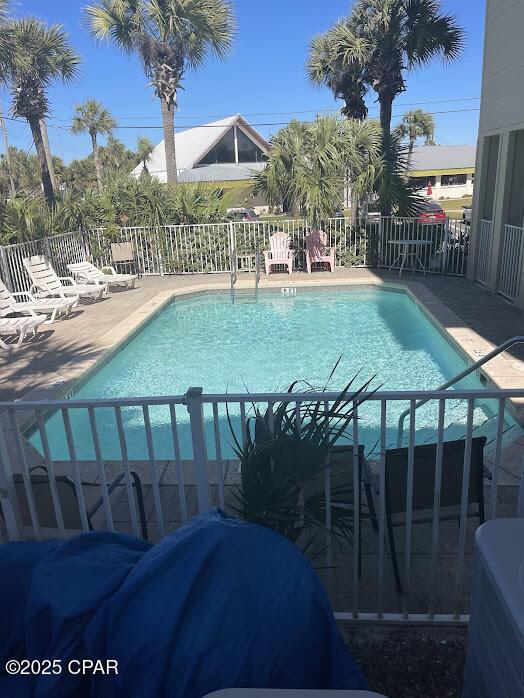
{"points": [[449, 168], [497, 233], [227, 153]]}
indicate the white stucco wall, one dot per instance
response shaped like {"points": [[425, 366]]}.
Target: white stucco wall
{"points": [[455, 191]]}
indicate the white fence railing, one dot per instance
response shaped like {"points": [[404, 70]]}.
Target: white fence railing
{"points": [[484, 251], [60, 249], [146, 465], [447, 252], [207, 248], [511, 261]]}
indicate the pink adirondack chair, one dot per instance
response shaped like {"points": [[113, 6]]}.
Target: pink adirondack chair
{"points": [[280, 252], [318, 251]]}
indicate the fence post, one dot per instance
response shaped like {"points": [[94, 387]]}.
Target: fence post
{"points": [[232, 245], [380, 242], [444, 264], [4, 269], [198, 438], [8, 500]]}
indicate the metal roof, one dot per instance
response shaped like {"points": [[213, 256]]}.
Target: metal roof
{"points": [[193, 144], [443, 157], [220, 173]]}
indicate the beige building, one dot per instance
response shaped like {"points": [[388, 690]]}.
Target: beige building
{"points": [[497, 234], [450, 169]]}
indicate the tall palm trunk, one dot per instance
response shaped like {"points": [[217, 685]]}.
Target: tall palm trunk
{"points": [[385, 122], [49, 193], [49, 157], [168, 125], [96, 157]]}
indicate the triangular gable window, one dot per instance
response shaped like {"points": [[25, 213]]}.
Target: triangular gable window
{"points": [[226, 151], [248, 150], [223, 151]]}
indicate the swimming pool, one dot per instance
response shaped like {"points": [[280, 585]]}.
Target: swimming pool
{"points": [[209, 342]]}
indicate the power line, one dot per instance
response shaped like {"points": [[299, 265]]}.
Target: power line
{"points": [[261, 123], [288, 113]]}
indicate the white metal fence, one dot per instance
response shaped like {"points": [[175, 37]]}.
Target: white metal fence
{"points": [[179, 448], [446, 253], [484, 251], [511, 261], [60, 249], [207, 248]]}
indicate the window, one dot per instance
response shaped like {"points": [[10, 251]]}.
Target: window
{"points": [[453, 180], [422, 182], [248, 151], [222, 152]]}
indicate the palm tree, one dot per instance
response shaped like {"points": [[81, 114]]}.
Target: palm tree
{"points": [[40, 55], [144, 148], [309, 165], [326, 66], [115, 156], [91, 117], [379, 42], [169, 36], [416, 124]]}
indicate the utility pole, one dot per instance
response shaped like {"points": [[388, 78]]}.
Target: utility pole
{"points": [[12, 189]]}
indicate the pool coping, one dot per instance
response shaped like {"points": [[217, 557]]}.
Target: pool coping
{"points": [[501, 372]]}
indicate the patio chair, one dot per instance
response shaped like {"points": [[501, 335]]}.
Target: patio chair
{"points": [[47, 283], [280, 252], [123, 256], [87, 273], [19, 326], [424, 487], [66, 490], [342, 485], [317, 250], [9, 304]]}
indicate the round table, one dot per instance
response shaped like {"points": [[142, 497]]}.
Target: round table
{"points": [[409, 248]]}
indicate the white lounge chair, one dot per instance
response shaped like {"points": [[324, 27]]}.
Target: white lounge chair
{"points": [[9, 303], [20, 326], [47, 283], [88, 273]]}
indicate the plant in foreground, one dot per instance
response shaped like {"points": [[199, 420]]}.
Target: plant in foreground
{"points": [[285, 451]]}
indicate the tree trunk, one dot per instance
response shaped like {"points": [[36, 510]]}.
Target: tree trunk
{"points": [[12, 188], [96, 157], [49, 193], [385, 124], [168, 125], [49, 157]]}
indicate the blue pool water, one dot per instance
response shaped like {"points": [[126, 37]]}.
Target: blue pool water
{"points": [[209, 342]]}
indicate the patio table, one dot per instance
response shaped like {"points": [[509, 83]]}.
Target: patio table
{"points": [[408, 248]]}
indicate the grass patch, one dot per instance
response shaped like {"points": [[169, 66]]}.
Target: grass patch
{"points": [[453, 207]]}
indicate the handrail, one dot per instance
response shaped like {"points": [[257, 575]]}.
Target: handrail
{"points": [[519, 339], [257, 273], [233, 272]]}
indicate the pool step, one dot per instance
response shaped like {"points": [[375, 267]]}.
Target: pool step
{"points": [[245, 297]]}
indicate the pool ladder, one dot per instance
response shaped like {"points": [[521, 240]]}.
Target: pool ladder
{"points": [[466, 372], [249, 295]]}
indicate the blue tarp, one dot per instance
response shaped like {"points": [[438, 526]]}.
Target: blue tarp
{"points": [[218, 604]]}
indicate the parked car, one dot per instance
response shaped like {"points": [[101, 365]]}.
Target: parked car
{"points": [[466, 215], [242, 214], [429, 211]]}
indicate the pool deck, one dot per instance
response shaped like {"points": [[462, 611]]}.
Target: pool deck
{"points": [[53, 362]]}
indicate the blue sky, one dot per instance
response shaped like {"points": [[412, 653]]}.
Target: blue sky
{"points": [[263, 78]]}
